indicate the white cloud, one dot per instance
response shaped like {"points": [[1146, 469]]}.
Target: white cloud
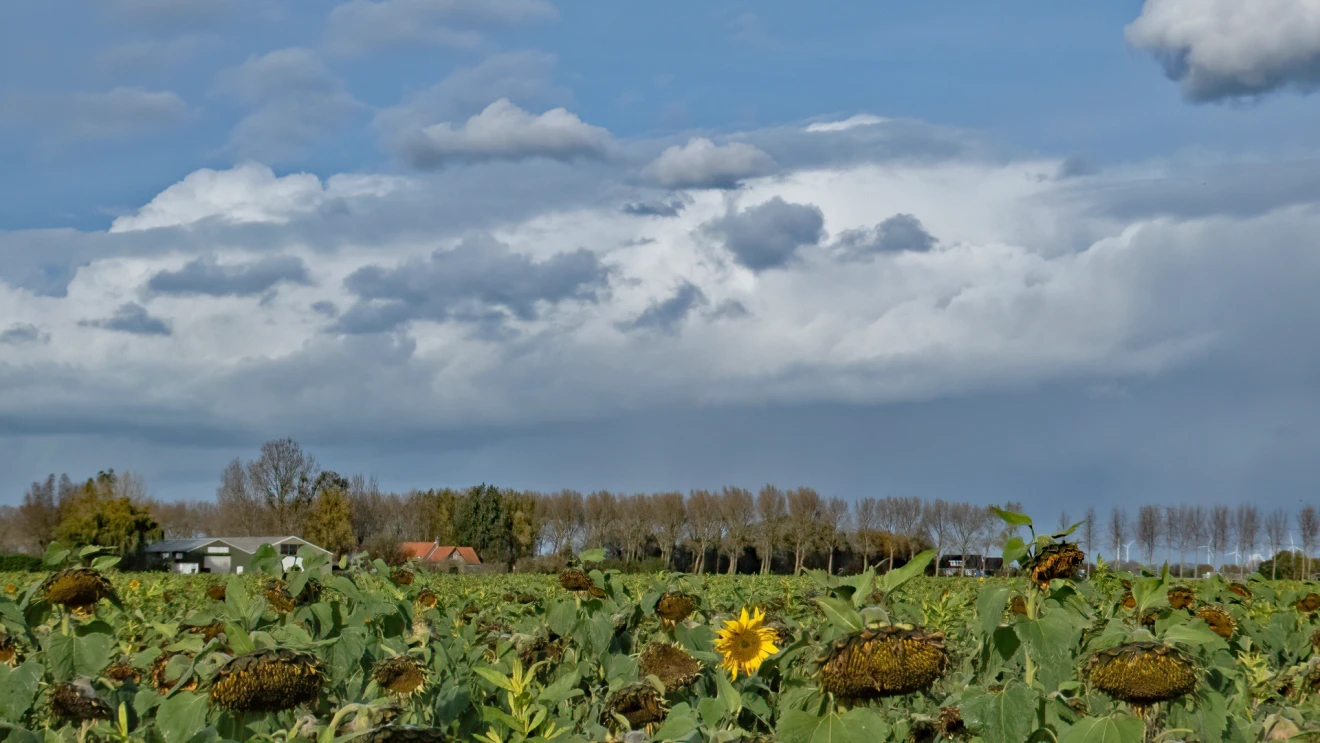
{"points": [[852, 122], [118, 113], [249, 192], [1223, 49], [503, 131], [703, 164], [358, 26]]}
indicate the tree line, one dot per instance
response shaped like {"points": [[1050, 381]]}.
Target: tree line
{"points": [[284, 491]]}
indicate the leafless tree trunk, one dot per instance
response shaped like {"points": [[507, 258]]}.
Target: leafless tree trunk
{"points": [[835, 517], [282, 477], [737, 509], [1247, 526], [1087, 537], [599, 516], [770, 512], [1308, 527], [1221, 532], [966, 523], [909, 522], [804, 508], [938, 525], [671, 512], [866, 518], [1118, 532], [703, 525], [1276, 531], [1150, 525]]}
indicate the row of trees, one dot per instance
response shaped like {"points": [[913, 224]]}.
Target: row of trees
{"points": [[283, 490]]}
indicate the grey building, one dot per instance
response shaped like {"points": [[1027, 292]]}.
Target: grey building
{"points": [[221, 554]]}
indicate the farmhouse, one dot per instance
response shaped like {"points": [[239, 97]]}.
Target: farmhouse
{"points": [[435, 556], [222, 554]]}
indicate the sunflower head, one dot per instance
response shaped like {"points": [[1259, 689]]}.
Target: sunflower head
{"points": [[77, 702], [533, 650], [1309, 603], [1240, 589], [951, 725], [121, 670], [1220, 621], [11, 589], [1018, 606], [401, 674], [640, 704], [1129, 601], [745, 643], [670, 663], [77, 588], [1057, 560], [520, 597], [216, 592], [883, 662], [278, 596], [208, 631], [164, 678], [427, 599], [1181, 597], [267, 680], [574, 579], [1142, 673], [674, 607], [405, 734], [8, 650], [402, 576]]}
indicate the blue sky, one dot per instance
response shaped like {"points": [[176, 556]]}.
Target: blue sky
{"points": [[976, 251]]}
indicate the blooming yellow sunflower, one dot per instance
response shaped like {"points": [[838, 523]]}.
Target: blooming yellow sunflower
{"points": [[134, 584], [10, 588], [745, 643]]}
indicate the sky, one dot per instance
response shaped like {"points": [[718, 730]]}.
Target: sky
{"points": [[1057, 253]]}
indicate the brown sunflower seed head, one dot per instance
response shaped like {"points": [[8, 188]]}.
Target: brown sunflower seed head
{"points": [[574, 579], [77, 588], [640, 704], [1181, 597], [401, 674], [882, 662], [1058, 560], [539, 648], [121, 670], [405, 734], [674, 607], [1143, 673], [278, 596], [1308, 603], [402, 576], [951, 724], [267, 680], [161, 678], [1129, 601], [427, 599], [783, 633], [1220, 621], [216, 591], [208, 631], [1018, 606], [8, 650], [672, 664], [70, 702]]}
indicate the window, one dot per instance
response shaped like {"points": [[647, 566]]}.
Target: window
{"points": [[178, 555], [288, 549]]}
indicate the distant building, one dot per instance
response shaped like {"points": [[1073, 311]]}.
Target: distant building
{"points": [[435, 556], [976, 565], [222, 554]]}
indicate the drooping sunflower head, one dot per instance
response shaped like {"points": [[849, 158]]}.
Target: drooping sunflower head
{"points": [[519, 597], [1018, 606], [883, 662], [8, 650], [1309, 603], [167, 670], [1143, 673], [670, 663], [1220, 621], [536, 648], [1181, 597], [267, 680], [278, 596], [405, 734], [77, 588], [745, 643], [1241, 589], [216, 592], [76, 702], [402, 576], [427, 599], [1129, 601], [640, 704], [951, 725], [674, 606], [121, 670], [208, 631], [574, 579], [1058, 560], [401, 674]]}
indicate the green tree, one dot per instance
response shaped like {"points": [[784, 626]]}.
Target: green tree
{"points": [[483, 523], [329, 520], [439, 509], [95, 515]]}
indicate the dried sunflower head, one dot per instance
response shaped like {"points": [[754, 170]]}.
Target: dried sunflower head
{"points": [[533, 650], [674, 607], [401, 674], [1181, 597], [267, 680], [216, 592], [1129, 601], [405, 734], [427, 599], [951, 725], [882, 662], [640, 704], [208, 631], [1240, 589], [1058, 560], [8, 650], [121, 670], [278, 596], [77, 588], [574, 579], [1308, 603], [1018, 606], [670, 663], [518, 598], [1220, 621], [77, 702], [1143, 673], [402, 576], [161, 677]]}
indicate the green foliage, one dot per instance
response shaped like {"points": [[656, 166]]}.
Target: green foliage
{"points": [[329, 522], [19, 563], [97, 517]]}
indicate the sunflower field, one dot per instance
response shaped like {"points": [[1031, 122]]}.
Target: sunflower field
{"points": [[357, 651]]}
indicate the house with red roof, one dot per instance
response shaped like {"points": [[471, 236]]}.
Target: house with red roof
{"points": [[440, 557]]}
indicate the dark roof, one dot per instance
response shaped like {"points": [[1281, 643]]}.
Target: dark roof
{"points": [[243, 544]]}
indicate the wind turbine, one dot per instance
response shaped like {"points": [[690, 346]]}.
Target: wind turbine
{"points": [[1237, 560], [1209, 557], [1127, 551]]}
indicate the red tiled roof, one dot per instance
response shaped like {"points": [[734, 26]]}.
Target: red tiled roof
{"points": [[419, 550], [430, 552]]}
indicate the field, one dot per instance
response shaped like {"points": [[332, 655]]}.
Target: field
{"points": [[373, 654]]}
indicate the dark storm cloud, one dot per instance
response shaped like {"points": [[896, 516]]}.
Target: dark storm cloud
{"points": [[769, 235], [131, 318], [205, 277], [653, 208], [667, 314], [897, 234], [20, 333], [469, 282]]}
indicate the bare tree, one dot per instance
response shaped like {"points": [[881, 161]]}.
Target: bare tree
{"points": [[1149, 526], [939, 527], [966, 524], [804, 510], [1221, 531], [671, 516], [1247, 526], [39, 514], [1087, 535], [1064, 522], [834, 518], [703, 525], [737, 510], [281, 477], [1276, 531], [909, 524], [771, 510], [563, 514], [242, 514], [1118, 532], [1308, 528], [1192, 532], [866, 521]]}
